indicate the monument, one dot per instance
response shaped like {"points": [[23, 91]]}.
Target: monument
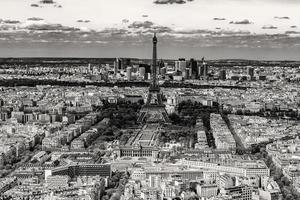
{"points": [[154, 110]]}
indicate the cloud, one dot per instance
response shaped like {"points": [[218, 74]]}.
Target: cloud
{"points": [[145, 16], [292, 32], [50, 27], [118, 37], [169, 2], [293, 26], [281, 17], [58, 6], [140, 32], [219, 19], [47, 1], [161, 29], [35, 19], [147, 27], [34, 5], [144, 25], [8, 21], [245, 21], [196, 33], [269, 27], [113, 32], [7, 27], [83, 21]]}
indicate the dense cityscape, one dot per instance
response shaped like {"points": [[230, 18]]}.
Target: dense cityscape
{"points": [[134, 129]]}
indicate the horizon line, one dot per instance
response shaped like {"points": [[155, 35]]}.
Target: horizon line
{"points": [[57, 57]]}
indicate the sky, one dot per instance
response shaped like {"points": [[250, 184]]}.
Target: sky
{"points": [[215, 29]]}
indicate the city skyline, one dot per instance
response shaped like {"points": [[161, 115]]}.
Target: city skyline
{"points": [[214, 29], [124, 129]]}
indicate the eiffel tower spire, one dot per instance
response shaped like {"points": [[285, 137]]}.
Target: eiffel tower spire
{"points": [[154, 61]]}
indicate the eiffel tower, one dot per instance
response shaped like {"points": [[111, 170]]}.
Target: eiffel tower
{"points": [[154, 110]]}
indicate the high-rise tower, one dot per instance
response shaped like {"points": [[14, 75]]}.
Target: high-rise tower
{"points": [[154, 110], [204, 70]]}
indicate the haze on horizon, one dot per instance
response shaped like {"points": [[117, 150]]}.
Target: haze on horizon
{"points": [[216, 29]]}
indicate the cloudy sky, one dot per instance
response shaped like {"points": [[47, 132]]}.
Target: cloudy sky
{"points": [[216, 29]]}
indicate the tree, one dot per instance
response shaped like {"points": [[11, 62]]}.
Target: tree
{"points": [[175, 118], [285, 181], [8, 166], [56, 163], [105, 197], [102, 146], [141, 102]]}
